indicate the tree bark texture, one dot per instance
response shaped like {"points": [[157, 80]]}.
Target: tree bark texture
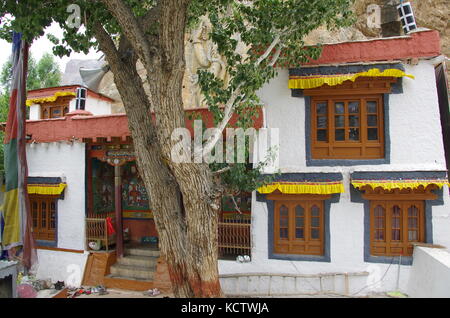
{"points": [[183, 195]]}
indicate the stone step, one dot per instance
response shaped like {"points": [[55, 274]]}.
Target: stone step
{"points": [[137, 272], [128, 283], [135, 260], [141, 251]]}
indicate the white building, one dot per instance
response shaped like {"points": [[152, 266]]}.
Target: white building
{"points": [[363, 172], [363, 177]]}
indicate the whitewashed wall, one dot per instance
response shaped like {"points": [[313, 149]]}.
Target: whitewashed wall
{"points": [[35, 112], [94, 105], [60, 159], [416, 144], [415, 131], [61, 266], [430, 273]]}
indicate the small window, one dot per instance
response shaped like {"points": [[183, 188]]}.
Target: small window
{"points": [[407, 17], [81, 98], [299, 227], [347, 127], [394, 226], [43, 213], [54, 111]]}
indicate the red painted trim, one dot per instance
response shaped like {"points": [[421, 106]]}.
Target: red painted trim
{"points": [[103, 126], [418, 44]]}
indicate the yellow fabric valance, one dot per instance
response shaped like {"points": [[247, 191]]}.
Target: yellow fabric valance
{"points": [[400, 184], [303, 187], [49, 99], [313, 81], [46, 189]]}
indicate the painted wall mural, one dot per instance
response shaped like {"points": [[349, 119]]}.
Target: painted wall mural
{"points": [[102, 187], [135, 199]]}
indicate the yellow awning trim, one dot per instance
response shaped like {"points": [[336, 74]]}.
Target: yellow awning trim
{"points": [[400, 184], [303, 187], [313, 81], [46, 189], [49, 99]]}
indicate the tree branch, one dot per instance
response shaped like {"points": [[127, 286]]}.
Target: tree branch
{"points": [[132, 30], [269, 49], [106, 44], [236, 205], [228, 113], [229, 107], [223, 170], [151, 17], [276, 56]]}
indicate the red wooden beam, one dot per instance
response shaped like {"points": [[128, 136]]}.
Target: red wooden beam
{"points": [[416, 45]]}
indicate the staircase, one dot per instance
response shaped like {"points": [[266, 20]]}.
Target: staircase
{"points": [[135, 270]]}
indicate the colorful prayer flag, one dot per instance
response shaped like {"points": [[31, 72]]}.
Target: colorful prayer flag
{"points": [[16, 207]]}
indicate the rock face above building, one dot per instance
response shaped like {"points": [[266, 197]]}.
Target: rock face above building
{"points": [[431, 14], [435, 14], [72, 75], [375, 19]]}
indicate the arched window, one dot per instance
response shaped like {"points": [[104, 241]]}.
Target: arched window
{"points": [[395, 225]]}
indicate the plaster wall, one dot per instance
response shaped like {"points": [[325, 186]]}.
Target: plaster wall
{"points": [[430, 273], [415, 131], [61, 266], [346, 255], [35, 112], [59, 159], [94, 105], [416, 145]]}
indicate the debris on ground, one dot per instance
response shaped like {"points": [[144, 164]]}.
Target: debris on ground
{"points": [[75, 292], [26, 291], [28, 286], [152, 292]]}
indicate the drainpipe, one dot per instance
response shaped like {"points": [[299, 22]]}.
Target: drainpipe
{"points": [[118, 210]]}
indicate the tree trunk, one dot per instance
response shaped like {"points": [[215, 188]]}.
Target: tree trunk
{"points": [[194, 180], [182, 195]]}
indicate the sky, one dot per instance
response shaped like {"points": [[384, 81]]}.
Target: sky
{"points": [[43, 45]]}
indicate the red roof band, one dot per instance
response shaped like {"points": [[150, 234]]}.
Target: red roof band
{"points": [[417, 44], [83, 126]]}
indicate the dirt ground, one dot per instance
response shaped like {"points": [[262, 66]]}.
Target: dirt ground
{"points": [[119, 293]]}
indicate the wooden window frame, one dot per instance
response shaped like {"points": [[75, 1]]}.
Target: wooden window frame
{"points": [[404, 199], [348, 149], [63, 109], [45, 232], [62, 104], [389, 246], [363, 90], [307, 245]]}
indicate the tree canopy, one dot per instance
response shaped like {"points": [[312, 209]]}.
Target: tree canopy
{"points": [[41, 74], [254, 37]]}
